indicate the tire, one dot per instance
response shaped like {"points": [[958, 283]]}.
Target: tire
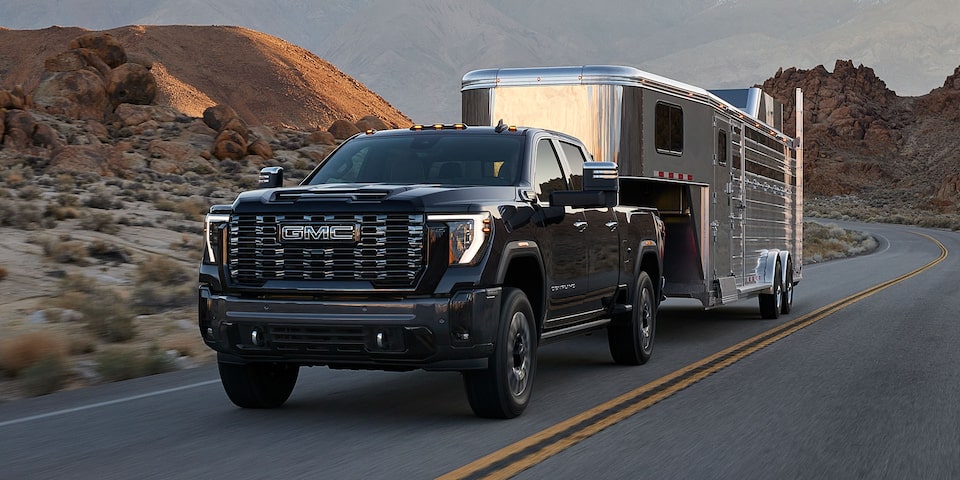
{"points": [[503, 389], [631, 338], [258, 385], [772, 303], [787, 303]]}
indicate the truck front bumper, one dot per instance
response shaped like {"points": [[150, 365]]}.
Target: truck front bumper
{"points": [[431, 333]]}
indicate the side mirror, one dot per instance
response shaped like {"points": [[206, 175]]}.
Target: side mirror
{"points": [[271, 177], [601, 186]]}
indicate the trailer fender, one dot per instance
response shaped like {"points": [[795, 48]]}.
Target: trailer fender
{"points": [[768, 266]]}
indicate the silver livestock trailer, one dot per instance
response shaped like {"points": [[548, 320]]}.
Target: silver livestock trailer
{"points": [[726, 180]]}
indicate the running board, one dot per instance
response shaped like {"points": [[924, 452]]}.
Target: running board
{"points": [[562, 332]]}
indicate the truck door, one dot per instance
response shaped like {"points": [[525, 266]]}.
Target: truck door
{"points": [[600, 236], [561, 239]]}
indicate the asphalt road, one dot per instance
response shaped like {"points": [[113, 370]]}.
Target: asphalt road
{"points": [[847, 386]]}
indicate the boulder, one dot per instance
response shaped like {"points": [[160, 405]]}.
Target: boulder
{"points": [[79, 94], [371, 122], [79, 158], [229, 144], [45, 136], [72, 60], [321, 138], [237, 125], [130, 114], [343, 129], [218, 115], [131, 83], [260, 147], [108, 48]]}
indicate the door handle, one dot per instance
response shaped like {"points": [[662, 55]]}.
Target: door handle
{"points": [[581, 225], [612, 225]]}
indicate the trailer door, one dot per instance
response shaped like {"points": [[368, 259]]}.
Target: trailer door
{"points": [[738, 202], [722, 201]]}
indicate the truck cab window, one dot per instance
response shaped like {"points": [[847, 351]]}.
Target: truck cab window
{"points": [[549, 176], [575, 159]]}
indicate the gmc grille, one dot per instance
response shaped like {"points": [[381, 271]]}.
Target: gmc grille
{"points": [[388, 249]]}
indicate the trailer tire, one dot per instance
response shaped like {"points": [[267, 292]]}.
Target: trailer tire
{"points": [[258, 385], [631, 338], [787, 302], [503, 389], [772, 303]]}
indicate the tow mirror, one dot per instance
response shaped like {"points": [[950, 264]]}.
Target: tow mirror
{"points": [[271, 177]]}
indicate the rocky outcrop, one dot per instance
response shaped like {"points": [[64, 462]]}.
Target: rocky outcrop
{"points": [[92, 79], [343, 129]]}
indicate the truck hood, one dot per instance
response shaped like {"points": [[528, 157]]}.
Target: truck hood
{"points": [[373, 197]]}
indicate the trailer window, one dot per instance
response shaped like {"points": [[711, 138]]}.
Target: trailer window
{"points": [[549, 176], [668, 123], [722, 147]]}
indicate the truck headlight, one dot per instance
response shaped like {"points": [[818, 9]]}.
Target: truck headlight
{"points": [[213, 225], [468, 234]]}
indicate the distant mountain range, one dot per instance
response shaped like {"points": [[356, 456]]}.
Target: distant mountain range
{"points": [[414, 52]]}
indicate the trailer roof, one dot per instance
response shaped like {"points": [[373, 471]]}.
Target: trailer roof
{"points": [[609, 75]]}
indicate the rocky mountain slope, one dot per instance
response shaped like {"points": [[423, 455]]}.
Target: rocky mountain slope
{"points": [[265, 79], [872, 147]]}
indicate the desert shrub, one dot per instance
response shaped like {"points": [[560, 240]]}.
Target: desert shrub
{"points": [[162, 283], [117, 363], [103, 200], [44, 377], [105, 315], [22, 215], [165, 204], [100, 222], [22, 351], [109, 252], [64, 250], [30, 192], [65, 183], [193, 208], [828, 242]]}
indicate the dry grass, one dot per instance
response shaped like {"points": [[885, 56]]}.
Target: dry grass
{"points": [[23, 351], [822, 242]]}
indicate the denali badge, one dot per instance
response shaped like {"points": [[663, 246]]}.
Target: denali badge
{"points": [[295, 233]]}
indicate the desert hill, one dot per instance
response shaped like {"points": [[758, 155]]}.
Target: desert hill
{"points": [[268, 81]]}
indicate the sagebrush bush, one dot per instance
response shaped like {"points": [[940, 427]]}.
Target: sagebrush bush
{"points": [[103, 200], [19, 352], [163, 283], [64, 250], [117, 363], [105, 314], [44, 377], [100, 222]]}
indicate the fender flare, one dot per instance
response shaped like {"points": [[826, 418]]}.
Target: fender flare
{"points": [[768, 264]]}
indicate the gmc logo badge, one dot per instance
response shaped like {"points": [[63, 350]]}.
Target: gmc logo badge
{"points": [[295, 233]]}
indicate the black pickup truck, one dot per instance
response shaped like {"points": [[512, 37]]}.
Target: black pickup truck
{"points": [[441, 247]]}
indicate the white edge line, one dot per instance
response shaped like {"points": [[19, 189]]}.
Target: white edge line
{"points": [[104, 404]]}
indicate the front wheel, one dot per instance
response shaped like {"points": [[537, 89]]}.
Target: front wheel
{"points": [[503, 389], [258, 385], [631, 338]]}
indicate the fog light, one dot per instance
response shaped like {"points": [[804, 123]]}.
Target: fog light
{"points": [[382, 339], [256, 337]]}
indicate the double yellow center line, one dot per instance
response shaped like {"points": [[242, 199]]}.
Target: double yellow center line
{"points": [[515, 458]]}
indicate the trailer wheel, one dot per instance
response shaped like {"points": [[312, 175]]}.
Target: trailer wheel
{"points": [[772, 303], [631, 338], [258, 385], [503, 389], [787, 302]]}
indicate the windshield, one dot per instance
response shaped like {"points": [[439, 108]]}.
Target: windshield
{"points": [[423, 157]]}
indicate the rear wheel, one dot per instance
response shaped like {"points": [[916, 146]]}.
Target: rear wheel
{"points": [[772, 303], [631, 338], [257, 385], [787, 302], [503, 389]]}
